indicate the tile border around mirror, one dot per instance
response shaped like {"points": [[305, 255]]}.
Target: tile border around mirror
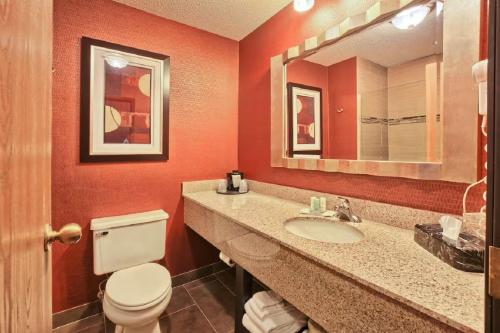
{"points": [[459, 151]]}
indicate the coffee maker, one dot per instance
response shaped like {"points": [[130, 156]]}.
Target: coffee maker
{"points": [[233, 180]]}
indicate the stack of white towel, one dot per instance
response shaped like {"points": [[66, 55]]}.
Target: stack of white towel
{"points": [[267, 312]]}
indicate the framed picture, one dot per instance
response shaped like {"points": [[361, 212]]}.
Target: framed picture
{"points": [[304, 121], [124, 103]]}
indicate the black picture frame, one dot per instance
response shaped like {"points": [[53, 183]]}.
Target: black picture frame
{"points": [[290, 149], [85, 110]]}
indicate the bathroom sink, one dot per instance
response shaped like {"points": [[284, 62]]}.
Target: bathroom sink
{"points": [[324, 230]]}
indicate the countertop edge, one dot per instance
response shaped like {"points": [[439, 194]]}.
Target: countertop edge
{"points": [[398, 298]]}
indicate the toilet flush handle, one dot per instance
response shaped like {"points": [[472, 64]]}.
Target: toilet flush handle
{"points": [[70, 233]]}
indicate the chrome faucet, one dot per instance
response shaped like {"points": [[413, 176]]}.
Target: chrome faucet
{"points": [[344, 211]]}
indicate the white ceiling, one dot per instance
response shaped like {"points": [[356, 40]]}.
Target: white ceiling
{"points": [[229, 18], [386, 45]]}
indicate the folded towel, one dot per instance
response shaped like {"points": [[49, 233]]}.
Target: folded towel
{"points": [[293, 328], [265, 299], [250, 325], [254, 327], [264, 313], [279, 322]]}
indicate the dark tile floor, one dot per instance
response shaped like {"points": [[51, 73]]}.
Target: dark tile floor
{"points": [[204, 305]]}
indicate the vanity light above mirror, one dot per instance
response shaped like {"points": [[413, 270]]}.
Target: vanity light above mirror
{"points": [[413, 16], [302, 5], [386, 92]]}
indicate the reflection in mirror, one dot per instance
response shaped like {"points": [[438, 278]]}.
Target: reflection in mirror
{"points": [[375, 95]]}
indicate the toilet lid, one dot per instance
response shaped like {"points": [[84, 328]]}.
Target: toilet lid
{"points": [[138, 285]]}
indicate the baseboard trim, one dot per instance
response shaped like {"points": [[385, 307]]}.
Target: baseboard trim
{"points": [[77, 313], [93, 308], [198, 273]]}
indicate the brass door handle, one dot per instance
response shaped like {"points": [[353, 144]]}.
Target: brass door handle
{"points": [[70, 233]]}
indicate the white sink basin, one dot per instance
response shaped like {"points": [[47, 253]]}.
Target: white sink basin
{"points": [[323, 230]]}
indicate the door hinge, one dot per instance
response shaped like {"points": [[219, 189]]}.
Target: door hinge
{"points": [[494, 272]]}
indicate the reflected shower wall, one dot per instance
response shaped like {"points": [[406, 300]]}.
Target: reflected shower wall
{"points": [[402, 121], [372, 111]]}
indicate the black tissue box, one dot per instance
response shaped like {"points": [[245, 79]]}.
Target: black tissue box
{"points": [[465, 254]]}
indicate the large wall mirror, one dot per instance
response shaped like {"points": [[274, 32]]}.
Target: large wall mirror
{"points": [[385, 92]]}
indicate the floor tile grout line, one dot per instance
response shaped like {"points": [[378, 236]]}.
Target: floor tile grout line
{"points": [[165, 314], [216, 278], [199, 308], [206, 318], [162, 316], [227, 287], [195, 280], [201, 284], [88, 327]]}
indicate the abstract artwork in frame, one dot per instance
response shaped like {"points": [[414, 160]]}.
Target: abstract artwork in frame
{"points": [[304, 121], [124, 103]]}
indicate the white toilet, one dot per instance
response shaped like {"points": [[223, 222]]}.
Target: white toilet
{"points": [[138, 291]]}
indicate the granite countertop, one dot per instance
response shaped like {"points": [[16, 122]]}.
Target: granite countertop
{"points": [[387, 259]]}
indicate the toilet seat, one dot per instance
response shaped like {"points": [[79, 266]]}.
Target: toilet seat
{"points": [[139, 287], [126, 319]]}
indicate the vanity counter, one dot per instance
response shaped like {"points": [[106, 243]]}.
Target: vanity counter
{"points": [[387, 260]]}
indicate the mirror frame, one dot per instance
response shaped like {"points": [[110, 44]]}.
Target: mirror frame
{"points": [[459, 158]]}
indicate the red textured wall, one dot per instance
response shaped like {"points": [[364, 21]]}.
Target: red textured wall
{"points": [[204, 100], [203, 136], [315, 75], [342, 94], [288, 28]]}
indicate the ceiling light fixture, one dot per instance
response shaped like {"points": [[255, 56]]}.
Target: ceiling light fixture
{"points": [[116, 61], [411, 17], [303, 5], [439, 7]]}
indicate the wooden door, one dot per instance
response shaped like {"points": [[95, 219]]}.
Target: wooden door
{"points": [[25, 153]]}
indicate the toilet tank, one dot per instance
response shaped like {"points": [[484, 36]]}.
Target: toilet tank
{"points": [[128, 240]]}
